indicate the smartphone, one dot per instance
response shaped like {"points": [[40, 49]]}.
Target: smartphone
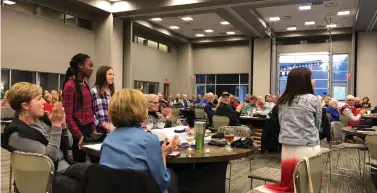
{"points": [[174, 154]]}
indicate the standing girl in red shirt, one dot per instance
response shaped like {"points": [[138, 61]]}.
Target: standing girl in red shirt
{"points": [[77, 103]]}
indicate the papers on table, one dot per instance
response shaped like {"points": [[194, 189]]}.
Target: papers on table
{"points": [[96, 147], [169, 133]]}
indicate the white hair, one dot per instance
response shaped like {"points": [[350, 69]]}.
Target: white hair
{"points": [[332, 101], [350, 97], [210, 94]]}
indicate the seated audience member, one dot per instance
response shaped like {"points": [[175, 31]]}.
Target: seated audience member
{"points": [[45, 92], [154, 116], [4, 101], [198, 99], [273, 101], [250, 106], [354, 115], [130, 147], [55, 95], [233, 102], [366, 103], [192, 100], [260, 102], [35, 132], [267, 105], [325, 129], [216, 100], [204, 101], [163, 103], [185, 102], [170, 100], [210, 108], [48, 104], [177, 102], [332, 109], [225, 109], [325, 101], [356, 103], [247, 98]]}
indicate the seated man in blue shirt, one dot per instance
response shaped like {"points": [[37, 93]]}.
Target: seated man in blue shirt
{"points": [[210, 108], [332, 109], [130, 147]]}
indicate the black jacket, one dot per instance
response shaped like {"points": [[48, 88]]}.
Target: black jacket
{"points": [[102, 179], [325, 127], [270, 133], [226, 110]]}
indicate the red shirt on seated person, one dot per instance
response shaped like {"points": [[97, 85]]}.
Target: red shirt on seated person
{"points": [[352, 112], [233, 102]]}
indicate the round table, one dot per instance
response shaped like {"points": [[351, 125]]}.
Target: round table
{"points": [[352, 131], [198, 171], [370, 117], [245, 117]]}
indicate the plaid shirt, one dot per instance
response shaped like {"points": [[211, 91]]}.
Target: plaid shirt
{"points": [[101, 107], [76, 112]]}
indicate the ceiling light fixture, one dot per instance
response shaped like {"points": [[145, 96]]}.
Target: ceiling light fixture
{"points": [[230, 33], [332, 25], [344, 12], [156, 19], [305, 7], [174, 27], [9, 2], [310, 23], [274, 18], [199, 35], [187, 19], [224, 23], [292, 28], [208, 31]]}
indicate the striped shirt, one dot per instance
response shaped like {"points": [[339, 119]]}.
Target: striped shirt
{"points": [[101, 107], [77, 114]]}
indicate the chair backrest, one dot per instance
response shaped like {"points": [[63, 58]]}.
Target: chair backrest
{"points": [[308, 174], [371, 141], [344, 119], [32, 172], [219, 121], [7, 112], [175, 111], [239, 131], [199, 113], [336, 129], [173, 119], [116, 180]]}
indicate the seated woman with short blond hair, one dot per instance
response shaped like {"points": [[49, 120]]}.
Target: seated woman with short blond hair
{"points": [[130, 147], [156, 117]]}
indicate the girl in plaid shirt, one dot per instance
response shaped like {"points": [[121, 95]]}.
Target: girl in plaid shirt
{"points": [[77, 103], [101, 94]]}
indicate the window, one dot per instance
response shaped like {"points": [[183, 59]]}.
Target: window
{"points": [[163, 47], [48, 81], [22, 76], [5, 73], [236, 84], [147, 87], [317, 62], [152, 44], [71, 20], [50, 13], [83, 23], [339, 75], [62, 78]]}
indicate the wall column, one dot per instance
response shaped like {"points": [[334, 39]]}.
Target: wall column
{"points": [[185, 70], [262, 66]]}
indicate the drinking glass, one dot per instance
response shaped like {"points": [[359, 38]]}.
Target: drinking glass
{"points": [[229, 137], [190, 139], [149, 125], [368, 112]]}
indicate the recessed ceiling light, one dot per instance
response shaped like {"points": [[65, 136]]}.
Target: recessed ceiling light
{"points": [[187, 18], [224, 23], [274, 18], [310, 23], [208, 30], [199, 35], [331, 25], [305, 7], [344, 12], [174, 27], [292, 28], [9, 2], [230, 32], [156, 19]]}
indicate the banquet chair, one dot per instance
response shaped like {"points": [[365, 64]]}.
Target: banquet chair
{"points": [[337, 143], [343, 119], [371, 143], [219, 121], [307, 176], [199, 113], [26, 166]]}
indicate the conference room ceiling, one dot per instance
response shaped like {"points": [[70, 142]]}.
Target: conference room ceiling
{"points": [[291, 16], [197, 26]]}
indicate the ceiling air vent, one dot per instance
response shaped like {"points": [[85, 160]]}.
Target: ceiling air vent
{"points": [[222, 33], [175, 18], [331, 13], [197, 29], [321, 26], [331, 4], [231, 29], [285, 17], [317, 3]]}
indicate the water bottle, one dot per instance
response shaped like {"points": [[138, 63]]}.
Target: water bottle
{"points": [[200, 130]]}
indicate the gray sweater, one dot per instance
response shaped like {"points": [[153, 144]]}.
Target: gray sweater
{"points": [[52, 150], [300, 122]]}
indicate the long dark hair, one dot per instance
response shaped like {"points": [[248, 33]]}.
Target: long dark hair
{"points": [[73, 71], [299, 83], [101, 81]]}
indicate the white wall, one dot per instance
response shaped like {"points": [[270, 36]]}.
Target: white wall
{"points": [[367, 66], [186, 69], [150, 64], [230, 59], [262, 66], [338, 47], [34, 43]]}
